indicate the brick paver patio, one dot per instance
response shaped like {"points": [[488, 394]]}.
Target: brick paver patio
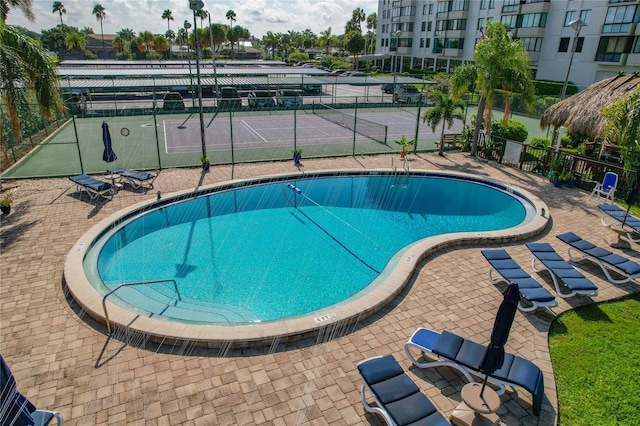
{"points": [[64, 361]]}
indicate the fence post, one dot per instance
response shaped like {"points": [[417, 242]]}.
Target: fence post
{"points": [[155, 125], [355, 125], [415, 140]]}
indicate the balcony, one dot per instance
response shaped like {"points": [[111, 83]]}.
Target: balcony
{"points": [[453, 53], [538, 7]]}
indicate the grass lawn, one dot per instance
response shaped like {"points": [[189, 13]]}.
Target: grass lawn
{"points": [[595, 351]]}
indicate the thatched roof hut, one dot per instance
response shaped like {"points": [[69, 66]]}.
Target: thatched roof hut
{"points": [[582, 112]]}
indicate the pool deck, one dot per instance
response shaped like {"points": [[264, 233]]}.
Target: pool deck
{"points": [[62, 360]]}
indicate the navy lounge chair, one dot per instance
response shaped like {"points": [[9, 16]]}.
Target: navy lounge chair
{"points": [[136, 179], [562, 273], [601, 256], [93, 187], [618, 214], [398, 399], [530, 289], [466, 356]]}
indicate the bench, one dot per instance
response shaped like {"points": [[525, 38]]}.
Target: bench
{"points": [[452, 140]]}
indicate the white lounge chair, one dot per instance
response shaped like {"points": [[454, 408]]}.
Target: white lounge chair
{"points": [[606, 188]]}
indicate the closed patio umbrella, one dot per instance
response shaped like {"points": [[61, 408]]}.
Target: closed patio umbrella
{"points": [[630, 198], [494, 355], [108, 154], [15, 408]]}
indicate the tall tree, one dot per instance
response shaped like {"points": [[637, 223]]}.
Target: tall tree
{"points": [[270, 42], [623, 128], [446, 110], [182, 37], [326, 40], [231, 16], [354, 44], [168, 15], [202, 14], [358, 16], [501, 63], [59, 8], [25, 69], [372, 26], [145, 41], [100, 13], [127, 34]]}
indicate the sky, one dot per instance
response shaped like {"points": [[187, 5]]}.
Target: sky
{"points": [[258, 16]]}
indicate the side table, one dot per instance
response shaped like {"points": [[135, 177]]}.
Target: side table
{"points": [[476, 410], [112, 178]]}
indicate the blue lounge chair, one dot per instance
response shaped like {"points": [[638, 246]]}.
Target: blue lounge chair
{"points": [[562, 273], [466, 356], [601, 256], [618, 214], [136, 179], [530, 289], [398, 399], [93, 187]]}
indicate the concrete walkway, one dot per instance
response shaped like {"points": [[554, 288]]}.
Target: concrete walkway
{"points": [[63, 360]]}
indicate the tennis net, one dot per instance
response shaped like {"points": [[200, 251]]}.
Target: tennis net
{"points": [[370, 129]]}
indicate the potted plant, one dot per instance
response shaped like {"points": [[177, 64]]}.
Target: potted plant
{"points": [[405, 144], [206, 163], [297, 155], [557, 172], [5, 203], [569, 179]]}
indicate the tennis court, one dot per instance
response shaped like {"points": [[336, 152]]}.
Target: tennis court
{"points": [[160, 140]]}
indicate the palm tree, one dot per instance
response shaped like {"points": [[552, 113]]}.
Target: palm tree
{"points": [[59, 7], [182, 37], [326, 40], [127, 34], [269, 42], [372, 25], [25, 69], [231, 16], [144, 41], [446, 109], [202, 14], [623, 128], [75, 41], [100, 13], [168, 15], [501, 63], [23, 5], [358, 16]]}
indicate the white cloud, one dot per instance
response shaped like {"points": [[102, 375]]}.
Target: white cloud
{"points": [[259, 16]]}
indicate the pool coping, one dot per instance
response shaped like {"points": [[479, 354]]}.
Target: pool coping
{"points": [[395, 278]]}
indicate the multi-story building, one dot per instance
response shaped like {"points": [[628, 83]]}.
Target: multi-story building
{"points": [[441, 34]]}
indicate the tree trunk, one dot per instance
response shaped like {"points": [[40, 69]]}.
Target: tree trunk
{"points": [[441, 149], [476, 130]]}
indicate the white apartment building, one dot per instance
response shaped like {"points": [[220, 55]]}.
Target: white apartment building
{"points": [[441, 34]]}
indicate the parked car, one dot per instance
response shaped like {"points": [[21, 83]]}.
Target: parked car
{"points": [[260, 99], [229, 99], [406, 93], [289, 98], [337, 73], [172, 101], [387, 87], [355, 74]]}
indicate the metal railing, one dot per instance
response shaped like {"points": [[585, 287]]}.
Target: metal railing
{"points": [[104, 299]]}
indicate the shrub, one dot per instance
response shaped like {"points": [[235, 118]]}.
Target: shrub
{"points": [[554, 88], [513, 130], [539, 142]]}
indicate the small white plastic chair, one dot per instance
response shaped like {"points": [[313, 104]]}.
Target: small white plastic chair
{"points": [[607, 188]]}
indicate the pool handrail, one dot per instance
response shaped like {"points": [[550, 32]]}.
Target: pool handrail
{"points": [[104, 298]]}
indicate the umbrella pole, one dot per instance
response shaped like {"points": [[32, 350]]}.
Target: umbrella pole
{"points": [[484, 384]]}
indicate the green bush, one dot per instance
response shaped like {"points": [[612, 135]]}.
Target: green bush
{"points": [[296, 57], [543, 103], [554, 88], [539, 142], [514, 130]]}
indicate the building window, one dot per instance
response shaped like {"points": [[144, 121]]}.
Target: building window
{"points": [[447, 43], [427, 43], [422, 43], [564, 44], [425, 9], [620, 18], [424, 26], [610, 49], [579, 44], [410, 27], [509, 21], [637, 48], [532, 20], [570, 16], [584, 15], [510, 6], [532, 44], [431, 9], [458, 5], [429, 26]]}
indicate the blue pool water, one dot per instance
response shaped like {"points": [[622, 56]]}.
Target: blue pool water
{"points": [[278, 250]]}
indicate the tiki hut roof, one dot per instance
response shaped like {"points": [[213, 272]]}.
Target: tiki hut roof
{"points": [[582, 112]]}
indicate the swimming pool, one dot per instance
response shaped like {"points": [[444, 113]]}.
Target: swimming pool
{"points": [[287, 250]]}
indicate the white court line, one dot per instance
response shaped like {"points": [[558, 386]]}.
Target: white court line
{"points": [[253, 131]]}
